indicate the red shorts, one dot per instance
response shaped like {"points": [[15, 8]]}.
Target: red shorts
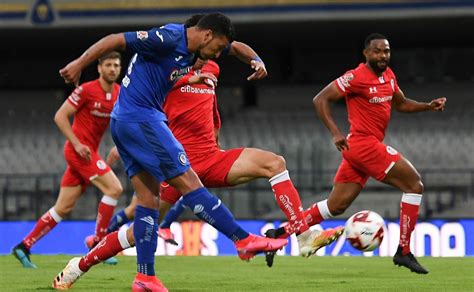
{"points": [[212, 170], [366, 157], [80, 171]]}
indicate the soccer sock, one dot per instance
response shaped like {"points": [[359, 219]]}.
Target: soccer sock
{"points": [[109, 246], [173, 214], [119, 219], [210, 209], [409, 208], [146, 239], [47, 222], [313, 215], [106, 210], [288, 200]]}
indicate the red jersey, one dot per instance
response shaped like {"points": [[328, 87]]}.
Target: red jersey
{"points": [[192, 114], [368, 99], [93, 106]]}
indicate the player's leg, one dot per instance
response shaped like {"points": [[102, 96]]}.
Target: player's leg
{"points": [[123, 216], [171, 205], [110, 186], [404, 176], [108, 247], [69, 192], [255, 163]]}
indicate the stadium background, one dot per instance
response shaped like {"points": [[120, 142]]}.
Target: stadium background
{"points": [[305, 45]]}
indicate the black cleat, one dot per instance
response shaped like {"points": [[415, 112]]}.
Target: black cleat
{"points": [[408, 261], [270, 255], [23, 255]]}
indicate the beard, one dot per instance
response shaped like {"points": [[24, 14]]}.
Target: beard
{"points": [[379, 68]]}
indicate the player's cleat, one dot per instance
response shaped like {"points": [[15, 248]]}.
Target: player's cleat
{"points": [[408, 261], [270, 255], [23, 255], [68, 275], [167, 236], [91, 241], [311, 241], [249, 247], [145, 283]]}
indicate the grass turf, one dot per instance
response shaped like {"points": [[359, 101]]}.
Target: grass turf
{"points": [[230, 274]]}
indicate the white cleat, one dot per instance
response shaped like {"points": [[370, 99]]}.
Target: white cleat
{"points": [[311, 241], [68, 275]]}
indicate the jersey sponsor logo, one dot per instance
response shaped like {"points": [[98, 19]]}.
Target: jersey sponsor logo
{"points": [[178, 73], [142, 35], [391, 150], [178, 58], [372, 90], [190, 89], [159, 35], [183, 159], [344, 81], [377, 99], [99, 114], [101, 164]]}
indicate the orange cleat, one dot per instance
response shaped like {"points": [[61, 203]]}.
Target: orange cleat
{"points": [[311, 241], [145, 283], [249, 247]]}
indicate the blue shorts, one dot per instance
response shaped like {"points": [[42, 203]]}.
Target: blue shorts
{"points": [[150, 147]]}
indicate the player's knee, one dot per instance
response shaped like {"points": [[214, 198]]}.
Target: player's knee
{"points": [[276, 165], [416, 187], [64, 211], [115, 191], [338, 209]]}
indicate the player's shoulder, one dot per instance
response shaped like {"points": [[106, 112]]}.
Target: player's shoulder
{"points": [[211, 67], [90, 85], [174, 31], [390, 72]]}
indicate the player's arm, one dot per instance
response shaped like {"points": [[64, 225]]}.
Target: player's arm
{"points": [[62, 120], [72, 71], [322, 104], [247, 55], [406, 105], [113, 156]]}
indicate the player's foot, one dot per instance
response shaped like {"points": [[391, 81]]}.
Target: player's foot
{"points": [[91, 241], [68, 275], [311, 241], [23, 255], [145, 283], [270, 255], [167, 236], [408, 261], [247, 248]]}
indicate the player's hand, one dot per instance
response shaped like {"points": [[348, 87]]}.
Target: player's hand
{"points": [[260, 70], [204, 78], [438, 104], [83, 151], [72, 72], [340, 142]]}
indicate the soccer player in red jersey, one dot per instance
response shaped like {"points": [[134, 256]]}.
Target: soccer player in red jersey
{"points": [[370, 91], [91, 105]]}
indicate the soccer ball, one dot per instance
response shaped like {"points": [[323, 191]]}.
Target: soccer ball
{"points": [[364, 230]]}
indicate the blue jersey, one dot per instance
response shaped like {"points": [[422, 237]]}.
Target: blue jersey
{"points": [[161, 57]]}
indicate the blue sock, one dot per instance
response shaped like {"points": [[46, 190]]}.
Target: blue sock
{"points": [[173, 214], [119, 219], [146, 238], [210, 209]]}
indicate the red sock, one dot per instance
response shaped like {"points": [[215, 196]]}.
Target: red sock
{"points": [[105, 213], [289, 202], [106, 248], [44, 225], [313, 215], [409, 208]]}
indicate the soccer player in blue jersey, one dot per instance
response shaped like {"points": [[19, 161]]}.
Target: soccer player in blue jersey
{"points": [[147, 147]]}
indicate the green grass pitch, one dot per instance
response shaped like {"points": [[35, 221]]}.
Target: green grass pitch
{"points": [[231, 274]]}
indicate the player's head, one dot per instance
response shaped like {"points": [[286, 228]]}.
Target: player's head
{"points": [[216, 32], [193, 20], [377, 52], [109, 66]]}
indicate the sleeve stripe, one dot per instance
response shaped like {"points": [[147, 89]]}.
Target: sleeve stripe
{"points": [[71, 99], [339, 84]]}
